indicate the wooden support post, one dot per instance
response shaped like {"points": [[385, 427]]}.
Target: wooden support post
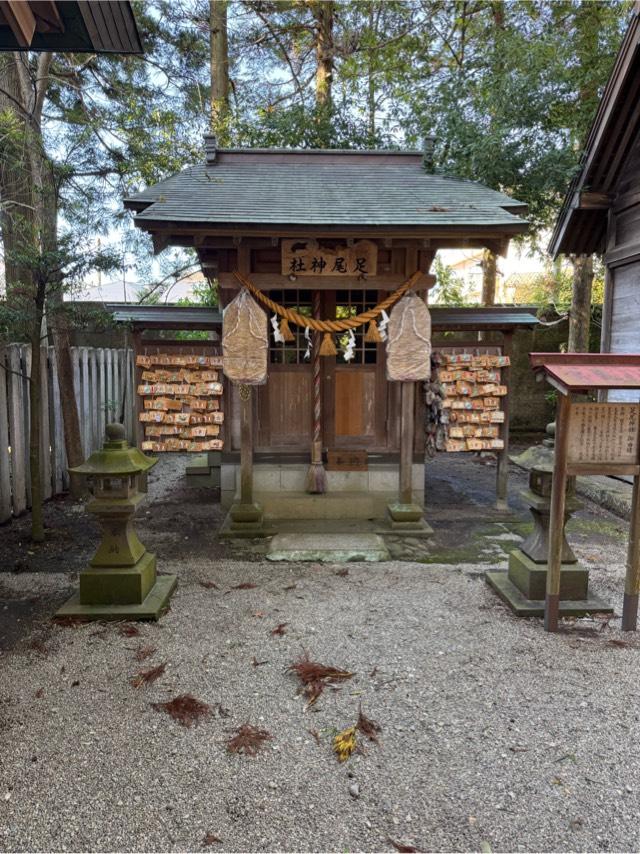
{"points": [[556, 526], [407, 428], [138, 429], [632, 580], [246, 444], [502, 469]]}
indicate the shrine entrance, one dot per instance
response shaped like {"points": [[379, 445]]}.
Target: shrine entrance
{"points": [[356, 398]]}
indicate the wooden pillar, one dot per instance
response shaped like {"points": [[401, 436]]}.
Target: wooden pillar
{"points": [[556, 526], [407, 429], [632, 580], [502, 470], [246, 444]]}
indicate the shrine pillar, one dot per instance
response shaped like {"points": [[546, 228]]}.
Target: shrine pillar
{"points": [[404, 514]]}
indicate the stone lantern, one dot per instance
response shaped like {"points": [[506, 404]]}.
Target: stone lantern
{"points": [[121, 581]]}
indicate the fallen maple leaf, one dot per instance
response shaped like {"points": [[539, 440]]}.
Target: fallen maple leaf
{"points": [[248, 739], [400, 846], [145, 652], [146, 677], [367, 726], [315, 676], [185, 709], [280, 629], [211, 839], [129, 630], [246, 585]]}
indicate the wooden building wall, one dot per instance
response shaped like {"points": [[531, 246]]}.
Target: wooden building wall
{"points": [[621, 316]]}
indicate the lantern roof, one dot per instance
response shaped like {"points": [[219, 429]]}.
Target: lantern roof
{"points": [[117, 457]]}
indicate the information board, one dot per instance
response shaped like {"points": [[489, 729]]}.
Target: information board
{"points": [[604, 433]]}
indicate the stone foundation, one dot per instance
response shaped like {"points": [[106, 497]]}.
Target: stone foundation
{"points": [[280, 489]]}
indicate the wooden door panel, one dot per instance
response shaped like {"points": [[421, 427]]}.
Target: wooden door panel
{"points": [[356, 418], [284, 410]]}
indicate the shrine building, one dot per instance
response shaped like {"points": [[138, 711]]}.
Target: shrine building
{"points": [[328, 235]]}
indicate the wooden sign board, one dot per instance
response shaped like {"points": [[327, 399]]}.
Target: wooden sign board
{"points": [[347, 461], [604, 433], [307, 258]]}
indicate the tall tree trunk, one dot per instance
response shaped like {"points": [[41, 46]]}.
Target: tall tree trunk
{"points": [[489, 274], [16, 209], [580, 315], [219, 68], [323, 13]]}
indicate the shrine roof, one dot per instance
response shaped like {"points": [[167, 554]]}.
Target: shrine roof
{"points": [[575, 372], [323, 188], [499, 318], [166, 316]]}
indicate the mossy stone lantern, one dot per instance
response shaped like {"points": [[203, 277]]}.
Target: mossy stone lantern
{"points": [[121, 581]]}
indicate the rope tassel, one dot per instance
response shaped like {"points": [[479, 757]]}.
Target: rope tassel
{"points": [[372, 335], [328, 347], [287, 334]]}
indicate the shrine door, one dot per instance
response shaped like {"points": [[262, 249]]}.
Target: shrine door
{"points": [[356, 398]]}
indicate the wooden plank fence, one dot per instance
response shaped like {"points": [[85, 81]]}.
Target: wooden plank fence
{"points": [[104, 385]]}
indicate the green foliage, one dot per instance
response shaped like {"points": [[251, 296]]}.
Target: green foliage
{"points": [[449, 288], [508, 89]]}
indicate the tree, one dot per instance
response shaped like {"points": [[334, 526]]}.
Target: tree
{"points": [[219, 69]]}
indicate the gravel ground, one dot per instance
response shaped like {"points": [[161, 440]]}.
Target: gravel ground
{"points": [[493, 732]]}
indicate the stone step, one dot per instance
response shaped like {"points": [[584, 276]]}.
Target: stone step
{"points": [[323, 548]]}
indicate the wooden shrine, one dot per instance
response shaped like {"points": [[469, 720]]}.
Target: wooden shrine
{"points": [[328, 244], [592, 439]]}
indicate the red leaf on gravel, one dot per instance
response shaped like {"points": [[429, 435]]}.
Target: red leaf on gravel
{"points": [[246, 585], [315, 676], [146, 677], [248, 739], [145, 652], [211, 839], [185, 709], [280, 629], [208, 585], [342, 573], [367, 726], [257, 663], [129, 630], [40, 693], [400, 846]]}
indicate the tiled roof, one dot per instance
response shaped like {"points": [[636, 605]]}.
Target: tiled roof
{"points": [[389, 191]]}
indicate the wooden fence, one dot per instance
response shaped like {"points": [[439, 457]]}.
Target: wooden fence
{"points": [[103, 381]]}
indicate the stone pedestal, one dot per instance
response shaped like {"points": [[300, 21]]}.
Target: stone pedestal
{"points": [[245, 521], [523, 586], [409, 519]]}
